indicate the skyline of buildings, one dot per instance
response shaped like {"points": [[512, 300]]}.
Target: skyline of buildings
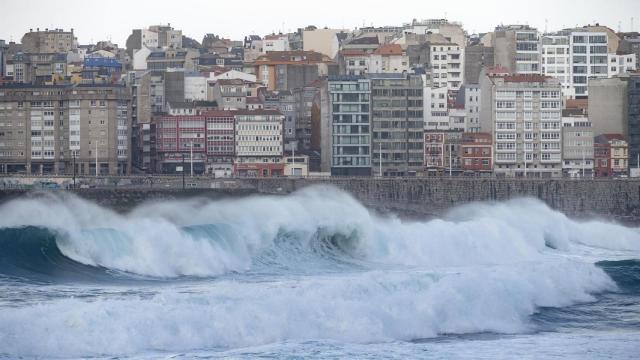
{"points": [[421, 98]]}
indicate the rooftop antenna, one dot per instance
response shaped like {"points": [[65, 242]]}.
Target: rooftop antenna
{"points": [[619, 26], [632, 24]]}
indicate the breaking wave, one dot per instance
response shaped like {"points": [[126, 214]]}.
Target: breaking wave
{"points": [[312, 265]]}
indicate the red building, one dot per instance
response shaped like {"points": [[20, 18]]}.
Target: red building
{"points": [[181, 139], [434, 150], [611, 156], [476, 152], [208, 137]]}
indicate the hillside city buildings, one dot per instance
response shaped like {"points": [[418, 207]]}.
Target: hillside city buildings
{"points": [[424, 98]]}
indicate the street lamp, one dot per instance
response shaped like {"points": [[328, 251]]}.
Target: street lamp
{"points": [[183, 185], [74, 168]]}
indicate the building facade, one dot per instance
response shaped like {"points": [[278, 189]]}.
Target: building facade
{"points": [[611, 155], [476, 153], [259, 146], [49, 41], [350, 117], [577, 147], [524, 114], [51, 129], [397, 124]]}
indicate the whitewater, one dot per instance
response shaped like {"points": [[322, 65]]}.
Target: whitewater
{"points": [[314, 274]]}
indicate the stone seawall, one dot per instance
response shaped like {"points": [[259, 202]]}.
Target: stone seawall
{"points": [[420, 197], [615, 199]]}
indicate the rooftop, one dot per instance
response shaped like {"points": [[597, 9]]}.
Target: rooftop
{"points": [[388, 49]]}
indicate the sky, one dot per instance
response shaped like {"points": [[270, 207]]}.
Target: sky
{"points": [[113, 20]]}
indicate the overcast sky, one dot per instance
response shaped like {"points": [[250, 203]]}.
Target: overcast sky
{"points": [[114, 19]]}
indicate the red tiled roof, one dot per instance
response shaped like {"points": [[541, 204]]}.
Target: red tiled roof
{"points": [[610, 137], [389, 49], [577, 103], [353, 52], [292, 56], [253, 100]]}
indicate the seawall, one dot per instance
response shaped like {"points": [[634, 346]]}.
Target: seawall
{"points": [[414, 197]]}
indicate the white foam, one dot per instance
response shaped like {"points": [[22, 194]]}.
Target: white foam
{"points": [[481, 268], [151, 239], [367, 307]]}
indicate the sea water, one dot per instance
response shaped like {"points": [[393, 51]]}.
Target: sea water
{"points": [[313, 275]]}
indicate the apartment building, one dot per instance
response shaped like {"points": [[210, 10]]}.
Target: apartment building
{"points": [[476, 152], [303, 107], [517, 48], [397, 124], [442, 152], [37, 68], [436, 108], [287, 70], [231, 94], [156, 36], [259, 143], [203, 142], [388, 58], [276, 42], [524, 115], [51, 129], [577, 146], [472, 98], [284, 102], [447, 65], [350, 117], [556, 61], [589, 59], [611, 155], [49, 41], [181, 140]]}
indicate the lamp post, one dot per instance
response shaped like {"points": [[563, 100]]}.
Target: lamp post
{"points": [[74, 169], [183, 185], [380, 160]]}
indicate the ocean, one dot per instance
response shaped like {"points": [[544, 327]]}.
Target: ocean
{"points": [[315, 275]]}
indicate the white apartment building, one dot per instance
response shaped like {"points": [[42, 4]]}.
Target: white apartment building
{"points": [[355, 62], [447, 64], [388, 58], [524, 115], [528, 51], [259, 135], [436, 110], [589, 59], [622, 63], [575, 57], [276, 43], [556, 61]]}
